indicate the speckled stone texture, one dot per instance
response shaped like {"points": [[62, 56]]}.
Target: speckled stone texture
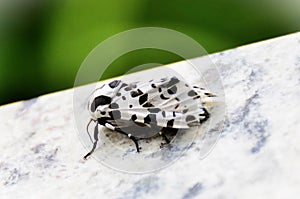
{"points": [[257, 155]]}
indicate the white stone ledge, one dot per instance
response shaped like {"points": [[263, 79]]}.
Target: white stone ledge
{"points": [[257, 155]]}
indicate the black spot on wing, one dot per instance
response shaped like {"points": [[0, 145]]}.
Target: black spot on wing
{"points": [[114, 83], [163, 113], [185, 110], [190, 118], [115, 114], [128, 88], [130, 106], [113, 106], [99, 101], [136, 93], [133, 85], [196, 97], [163, 97], [123, 85], [143, 98], [172, 90], [153, 110], [173, 81], [159, 90], [118, 94], [192, 93], [123, 98], [170, 123], [153, 85], [133, 117], [150, 118]]}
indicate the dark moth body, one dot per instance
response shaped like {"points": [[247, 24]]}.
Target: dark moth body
{"points": [[145, 109]]}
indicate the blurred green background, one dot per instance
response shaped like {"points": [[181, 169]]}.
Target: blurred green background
{"points": [[43, 42]]}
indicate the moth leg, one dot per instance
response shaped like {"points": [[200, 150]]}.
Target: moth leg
{"points": [[96, 132], [164, 136], [135, 142], [130, 137], [111, 127]]}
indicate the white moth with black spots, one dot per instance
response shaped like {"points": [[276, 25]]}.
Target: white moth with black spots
{"points": [[145, 109]]}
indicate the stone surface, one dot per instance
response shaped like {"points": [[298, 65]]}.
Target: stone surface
{"points": [[257, 155]]}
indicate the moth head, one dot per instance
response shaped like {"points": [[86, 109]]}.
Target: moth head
{"points": [[101, 99]]}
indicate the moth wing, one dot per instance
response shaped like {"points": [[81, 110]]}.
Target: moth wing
{"points": [[167, 102]]}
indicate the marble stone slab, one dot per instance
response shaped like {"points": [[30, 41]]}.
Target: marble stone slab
{"points": [[256, 156]]}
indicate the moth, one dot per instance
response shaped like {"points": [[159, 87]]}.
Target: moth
{"points": [[147, 108]]}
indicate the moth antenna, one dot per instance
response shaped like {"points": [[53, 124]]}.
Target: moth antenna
{"points": [[94, 143], [87, 129]]}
